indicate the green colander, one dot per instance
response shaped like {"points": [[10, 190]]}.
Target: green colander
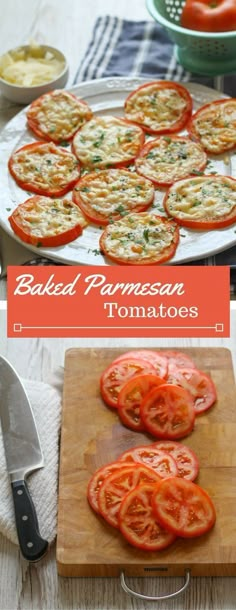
{"points": [[199, 52]]}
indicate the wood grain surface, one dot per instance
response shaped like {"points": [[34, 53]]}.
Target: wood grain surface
{"points": [[92, 436]]}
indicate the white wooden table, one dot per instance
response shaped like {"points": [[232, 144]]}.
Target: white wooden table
{"points": [[42, 588]]}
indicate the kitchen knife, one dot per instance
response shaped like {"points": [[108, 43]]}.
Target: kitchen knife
{"points": [[23, 455]]}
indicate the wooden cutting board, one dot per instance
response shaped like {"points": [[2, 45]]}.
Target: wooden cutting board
{"points": [[92, 436]]}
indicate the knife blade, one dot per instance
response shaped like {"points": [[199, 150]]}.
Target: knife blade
{"points": [[23, 455]]}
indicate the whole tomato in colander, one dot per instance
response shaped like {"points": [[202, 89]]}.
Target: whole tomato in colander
{"points": [[209, 15]]}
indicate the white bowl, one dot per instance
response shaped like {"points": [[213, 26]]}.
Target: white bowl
{"points": [[24, 95]]}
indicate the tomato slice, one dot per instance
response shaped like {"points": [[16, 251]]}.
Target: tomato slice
{"points": [[185, 458], [137, 522], [160, 107], [140, 239], [167, 159], [131, 396], [162, 462], [57, 115], [182, 507], [117, 485], [97, 480], [199, 384], [44, 168], [110, 194], [114, 377], [168, 412], [180, 359], [214, 125], [47, 222], [155, 358]]}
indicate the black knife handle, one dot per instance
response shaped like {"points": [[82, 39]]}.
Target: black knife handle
{"points": [[32, 546]]}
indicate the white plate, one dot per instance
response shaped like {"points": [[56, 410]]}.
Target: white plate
{"points": [[106, 96]]}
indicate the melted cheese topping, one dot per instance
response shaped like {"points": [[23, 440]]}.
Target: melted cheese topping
{"points": [[167, 160], [45, 217], [155, 107], [107, 140], [114, 191], [45, 166], [202, 198], [215, 125], [58, 115], [138, 237]]}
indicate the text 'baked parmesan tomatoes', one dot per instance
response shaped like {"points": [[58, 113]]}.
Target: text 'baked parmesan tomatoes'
{"points": [[204, 202], [57, 115], [160, 107], [182, 507], [44, 169], [140, 239], [42, 221], [108, 195]]}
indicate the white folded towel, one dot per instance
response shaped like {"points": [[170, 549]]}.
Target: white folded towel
{"points": [[45, 401]]}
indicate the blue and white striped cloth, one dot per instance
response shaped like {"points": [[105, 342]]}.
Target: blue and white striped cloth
{"points": [[141, 48]]}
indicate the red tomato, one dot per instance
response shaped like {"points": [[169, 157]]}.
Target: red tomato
{"points": [[183, 508], [150, 455], [200, 386], [209, 15], [158, 360], [56, 116], [185, 458], [137, 113], [131, 396], [117, 485], [168, 412], [45, 229], [44, 168], [114, 377], [137, 522], [97, 480], [180, 359]]}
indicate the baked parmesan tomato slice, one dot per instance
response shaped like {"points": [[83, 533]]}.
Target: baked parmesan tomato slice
{"points": [[183, 508], [204, 203], [214, 125], [167, 412], [42, 221], [131, 396], [180, 359], [159, 362], [170, 158], [57, 115], [160, 107], [137, 522], [118, 373], [198, 383], [108, 195], [97, 480], [140, 239], [118, 484], [185, 458], [150, 455], [107, 141], [44, 168]]}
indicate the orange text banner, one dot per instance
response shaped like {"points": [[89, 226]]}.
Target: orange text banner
{"points": [[118, 301]]}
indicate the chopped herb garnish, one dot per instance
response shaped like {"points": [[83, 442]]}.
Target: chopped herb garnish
{"points": [[64, 143], [146, 234]]}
